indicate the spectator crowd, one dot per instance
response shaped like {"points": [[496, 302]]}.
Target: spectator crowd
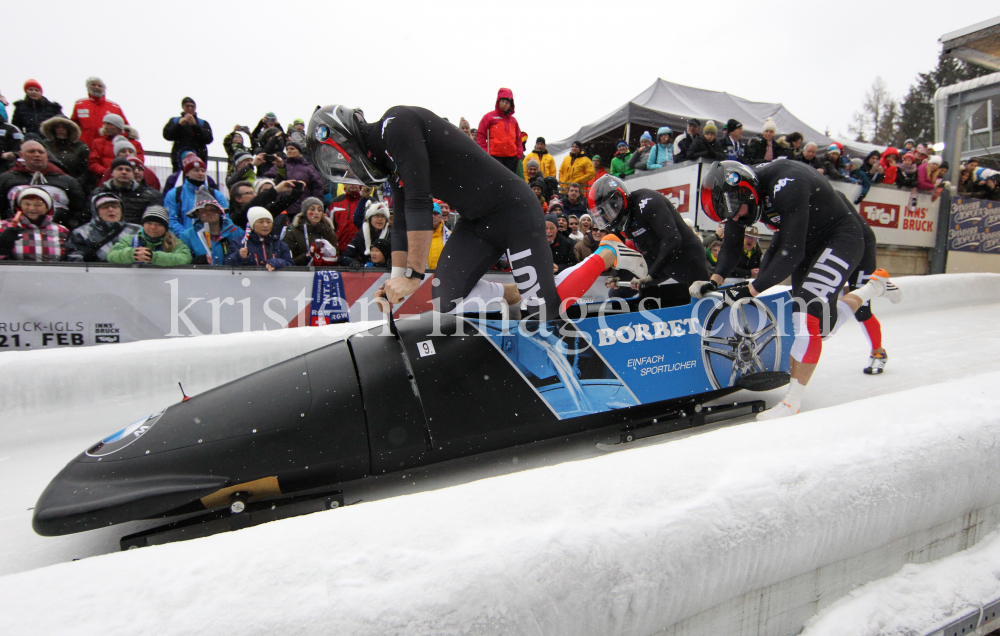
{"points": [[77, 188]]}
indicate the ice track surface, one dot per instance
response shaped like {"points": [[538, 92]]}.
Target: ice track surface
{"points": [[530, 540]]}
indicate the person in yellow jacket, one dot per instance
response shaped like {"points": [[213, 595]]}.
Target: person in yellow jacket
{"points": [[439, 238], [546, 163], [576, 167]]}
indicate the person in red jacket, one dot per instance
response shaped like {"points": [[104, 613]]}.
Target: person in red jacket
{"points": [[348, 213], [499, 133], [89, 112], [102, 149]]}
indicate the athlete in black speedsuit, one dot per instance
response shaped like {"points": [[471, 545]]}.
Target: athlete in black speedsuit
{"points": [[819, 243], [857, 279], [419, 154], [657, 228]]}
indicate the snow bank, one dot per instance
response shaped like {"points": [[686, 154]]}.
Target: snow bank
{"points": [[919, 598], [67, 378], [939, 292], [630, 542]]}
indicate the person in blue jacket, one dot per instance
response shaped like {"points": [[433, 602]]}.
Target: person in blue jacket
{"points": [[212, 237], [662, 152], [181, 199], [262, 248]]}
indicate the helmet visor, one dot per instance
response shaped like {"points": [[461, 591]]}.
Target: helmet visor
{"points": [[605, 214], [334, 163]]}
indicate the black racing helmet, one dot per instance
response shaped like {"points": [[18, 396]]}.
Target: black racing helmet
{"points": [[608, 203], [726, 187], [337, 150]]}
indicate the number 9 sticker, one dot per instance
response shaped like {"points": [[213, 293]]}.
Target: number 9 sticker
{"points": [[426, 348]]}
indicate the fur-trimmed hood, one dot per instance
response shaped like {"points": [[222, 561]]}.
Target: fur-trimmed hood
{"points": [[49, 129]]}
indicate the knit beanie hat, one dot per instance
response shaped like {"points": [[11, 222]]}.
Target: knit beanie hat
{"points": [[106, 197], [32, 84], [551, 218], [533, 162], [935, 159], [190, 162], [202, 199], [259, 183], [555, 203], [257, 213], [156, 214], [540, 140], [769, 125], [856, 163], [121, 143], [537, 183], [34, 192], [710, 127], [308, 202], [376, 207], [298, 146], [120, 161], [114, 120], [646, 136], [241, 156], [732, 125], [621, 143], [833, 149], [382, 245], [187, 100]]}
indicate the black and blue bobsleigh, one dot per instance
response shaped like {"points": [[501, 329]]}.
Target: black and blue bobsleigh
{"points": [[433, 388]]}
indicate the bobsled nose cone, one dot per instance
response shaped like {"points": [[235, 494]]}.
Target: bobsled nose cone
{"points": [[83, 497]]}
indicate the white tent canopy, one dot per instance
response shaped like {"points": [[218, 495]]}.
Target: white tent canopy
{"points": [[667, 104]]}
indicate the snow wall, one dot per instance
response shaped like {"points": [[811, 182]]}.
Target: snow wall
{"points": [[742, 530]]}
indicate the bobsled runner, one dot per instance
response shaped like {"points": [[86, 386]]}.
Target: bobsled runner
{"points": [[420, 391]]}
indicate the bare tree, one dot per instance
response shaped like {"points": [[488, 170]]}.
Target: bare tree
{"points": [[876, 121]]}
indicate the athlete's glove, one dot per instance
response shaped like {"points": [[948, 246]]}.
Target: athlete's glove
{"points": [[735, 294], [639, 283], [611, 281], [699, 288]]}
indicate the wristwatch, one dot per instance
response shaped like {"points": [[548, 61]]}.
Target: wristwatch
{"points": [[412, 273]]}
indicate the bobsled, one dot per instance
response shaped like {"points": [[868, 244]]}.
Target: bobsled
{"points": [[418, 391]]}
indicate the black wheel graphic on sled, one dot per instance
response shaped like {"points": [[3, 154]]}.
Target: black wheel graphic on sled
{"points": [[738, 341]]}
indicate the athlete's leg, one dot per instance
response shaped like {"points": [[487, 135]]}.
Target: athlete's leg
{"points": [[573, 283], [858, 278], [817, 287], [464, 260], [520, 230]]}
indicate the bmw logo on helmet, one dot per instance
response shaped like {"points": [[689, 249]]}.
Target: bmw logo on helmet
{"points": [[732, 178], [613, 184], [322, 133]]}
